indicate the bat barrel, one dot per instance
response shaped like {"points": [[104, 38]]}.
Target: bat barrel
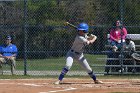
{"points": [[67, 23]]}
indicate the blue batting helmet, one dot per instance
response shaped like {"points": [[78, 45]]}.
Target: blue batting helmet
{"points": [[83, 26]]}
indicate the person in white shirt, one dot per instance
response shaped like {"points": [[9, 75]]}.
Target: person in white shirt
{"points": [[129, 46], [129, 50]]}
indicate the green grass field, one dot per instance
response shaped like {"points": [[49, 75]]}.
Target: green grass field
{"points": [[56, 63]]}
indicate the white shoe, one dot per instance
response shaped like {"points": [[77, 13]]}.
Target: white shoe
{"points": [[98, 82], [57, 82]]}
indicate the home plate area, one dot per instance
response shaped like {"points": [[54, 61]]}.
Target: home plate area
{"points": [[69, 85]]}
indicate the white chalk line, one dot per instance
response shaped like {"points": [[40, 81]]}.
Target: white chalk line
{"points": [[26, 84], [36, 85], [116, 82], [68, 89]]}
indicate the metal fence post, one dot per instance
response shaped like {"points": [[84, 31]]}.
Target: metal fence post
{"points": [[121, 17], [25, 37]]}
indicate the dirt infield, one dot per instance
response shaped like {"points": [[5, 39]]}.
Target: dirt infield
{"points": [[69, 85]]}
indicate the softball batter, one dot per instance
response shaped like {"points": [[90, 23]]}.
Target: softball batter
{"points": [[76, 52]]}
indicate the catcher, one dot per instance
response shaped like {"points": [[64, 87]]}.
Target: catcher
{"points": [[76, 52]]}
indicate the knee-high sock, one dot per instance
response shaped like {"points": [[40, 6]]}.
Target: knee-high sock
{"points": [[64, 71], [92, 75]]}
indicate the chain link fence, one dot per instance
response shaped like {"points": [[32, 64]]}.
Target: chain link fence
{"points": [[39, 31]]}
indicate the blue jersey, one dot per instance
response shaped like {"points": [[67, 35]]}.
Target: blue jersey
{"points": [[8, 50]]}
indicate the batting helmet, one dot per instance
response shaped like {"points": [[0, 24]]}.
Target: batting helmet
{"points": [[83, 26]]}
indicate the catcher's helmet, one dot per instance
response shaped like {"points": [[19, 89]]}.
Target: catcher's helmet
{"points": [[83, 26]]}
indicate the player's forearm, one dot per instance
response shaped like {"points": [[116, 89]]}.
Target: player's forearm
{"points": [[14, 55], [1, 55], [112, 38]]}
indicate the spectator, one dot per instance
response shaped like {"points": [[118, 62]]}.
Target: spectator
{"points": [[8, 53], [129, 49], [129, 45], [117, 33]]}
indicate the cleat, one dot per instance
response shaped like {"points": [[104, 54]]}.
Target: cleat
{"points": [[57, 82], [98, 82]]}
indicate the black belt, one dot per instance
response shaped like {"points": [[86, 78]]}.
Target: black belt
{"points": [[75, 52]]}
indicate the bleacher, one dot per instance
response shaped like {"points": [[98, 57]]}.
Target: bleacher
{"points": [[122, 64]]}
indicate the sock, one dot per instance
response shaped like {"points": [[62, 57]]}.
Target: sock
{"points": [[64, 71], [92, 75]]}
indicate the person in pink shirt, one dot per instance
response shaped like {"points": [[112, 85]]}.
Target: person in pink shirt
{"points": [[116, 33]]}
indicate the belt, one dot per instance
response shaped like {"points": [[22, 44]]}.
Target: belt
{"points": [[75, 52]]}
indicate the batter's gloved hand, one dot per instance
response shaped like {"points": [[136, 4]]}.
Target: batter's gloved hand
{"points": [[91, 36]]}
